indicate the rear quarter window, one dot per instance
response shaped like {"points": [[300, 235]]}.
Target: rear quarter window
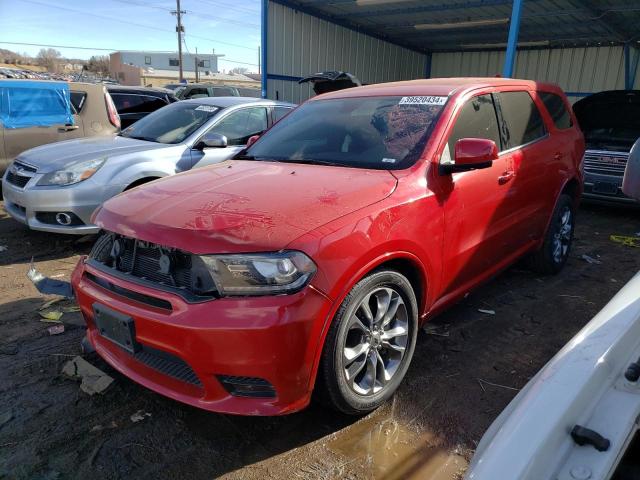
{"points": [[77, 100], [557, 109], [524, 122]]}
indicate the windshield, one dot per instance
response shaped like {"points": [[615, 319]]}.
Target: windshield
{"points": [[365, 132], [171, 124]]}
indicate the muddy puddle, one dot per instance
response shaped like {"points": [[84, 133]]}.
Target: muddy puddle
{"points": [[391, 451]]}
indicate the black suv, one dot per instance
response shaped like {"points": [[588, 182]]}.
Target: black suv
{"points": [[202, 90], [133, 103]]}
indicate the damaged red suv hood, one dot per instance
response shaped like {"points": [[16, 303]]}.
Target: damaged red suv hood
{"points": [[242, 206]]}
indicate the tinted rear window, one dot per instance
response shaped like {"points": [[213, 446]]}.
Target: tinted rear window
{"points": [[129, 103], [557, 109], [524, 122]]}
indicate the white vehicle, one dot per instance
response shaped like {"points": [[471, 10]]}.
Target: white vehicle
{"points": [[579, 415]]}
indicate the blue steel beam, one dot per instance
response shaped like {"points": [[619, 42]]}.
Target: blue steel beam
{"points": [[263, 47], [512, 41]]}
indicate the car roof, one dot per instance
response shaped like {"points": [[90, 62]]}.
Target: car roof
{"points": [[436, 86], [225, 102], [128, 88]]}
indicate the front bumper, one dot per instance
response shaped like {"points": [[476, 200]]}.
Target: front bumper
{"points": [[81, 199], [605, 189], [271, 338]]}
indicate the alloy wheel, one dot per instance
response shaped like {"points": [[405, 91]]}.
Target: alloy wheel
{"points": [[375, 341], [562, 237]]}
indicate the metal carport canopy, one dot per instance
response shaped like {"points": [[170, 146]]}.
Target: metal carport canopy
{"points": [[434, 26]]}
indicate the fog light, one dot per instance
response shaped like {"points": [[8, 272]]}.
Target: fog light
{"points": [[247, 386], [63, 219]]}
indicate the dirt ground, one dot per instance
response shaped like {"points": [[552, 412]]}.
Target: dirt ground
{"points": [[467, 367]]}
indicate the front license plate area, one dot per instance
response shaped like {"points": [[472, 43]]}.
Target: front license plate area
{"points": [[605, 188], [116, 327]]}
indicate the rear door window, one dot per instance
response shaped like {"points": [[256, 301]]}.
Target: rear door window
{"points": [[524, 122], [223, 92], [557, 109], [197, 92], [279, 112], [476, 120]]}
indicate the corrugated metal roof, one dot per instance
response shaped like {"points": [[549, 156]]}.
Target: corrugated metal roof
{"points": [[436, 25]]}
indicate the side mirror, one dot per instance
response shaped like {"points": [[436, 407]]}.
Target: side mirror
{"points": [[213, 140], [631, 181], [252, 139], [472, 154]]}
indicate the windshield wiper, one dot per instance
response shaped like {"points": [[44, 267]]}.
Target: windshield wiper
{"points": [[244, 157]]}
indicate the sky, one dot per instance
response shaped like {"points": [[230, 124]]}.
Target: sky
{"points": [[231, 27]]}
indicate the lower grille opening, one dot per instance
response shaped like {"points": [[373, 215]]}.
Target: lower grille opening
{"points": [[252, 387], [130, 294], [168, 364], [17, 180]]}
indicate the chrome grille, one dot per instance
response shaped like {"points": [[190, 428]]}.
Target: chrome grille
{"points": [[604, 162], [20, 173]]}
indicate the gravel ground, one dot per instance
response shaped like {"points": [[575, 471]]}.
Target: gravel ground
{"points": [[467, 367]]}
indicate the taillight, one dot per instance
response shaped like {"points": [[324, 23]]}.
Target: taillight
{"points": [[114, 118]]}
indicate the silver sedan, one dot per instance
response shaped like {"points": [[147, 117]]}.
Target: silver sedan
{"points": [[57, 187]]}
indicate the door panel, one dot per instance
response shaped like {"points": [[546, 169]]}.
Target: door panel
{"points": [[480, 217]]}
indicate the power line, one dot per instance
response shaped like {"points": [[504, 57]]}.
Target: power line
{"points": [[132, 23], [233, 7]]}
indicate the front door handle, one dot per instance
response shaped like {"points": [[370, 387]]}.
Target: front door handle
{"points": [[68, 128], [557, 156], [505, 177]]}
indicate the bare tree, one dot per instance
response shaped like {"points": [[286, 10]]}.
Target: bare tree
{"points": [[47, 58], [99, 64]]}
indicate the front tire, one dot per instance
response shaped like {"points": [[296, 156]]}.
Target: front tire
{"points": [[550, 259], [370, 344]]}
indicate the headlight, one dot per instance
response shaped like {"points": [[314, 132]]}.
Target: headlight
{"points": [[259, 274], [72, 173]]}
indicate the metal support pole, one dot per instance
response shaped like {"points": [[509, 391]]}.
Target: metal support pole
{"points": [[627, 67], [263, 47], [427, 65], [512, 42]]}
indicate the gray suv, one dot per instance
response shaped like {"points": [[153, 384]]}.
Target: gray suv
{"points": [[56, 188]]}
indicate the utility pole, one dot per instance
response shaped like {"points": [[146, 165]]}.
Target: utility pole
{"points": [[197, 79], [259, 57], [180, 29]]}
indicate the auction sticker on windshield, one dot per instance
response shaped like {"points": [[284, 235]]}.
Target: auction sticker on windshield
{"points": [[207, 108], [429, 100]]}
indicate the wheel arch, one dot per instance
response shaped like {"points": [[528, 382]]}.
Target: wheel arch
{"points": [[403, 262], [141, 181]]}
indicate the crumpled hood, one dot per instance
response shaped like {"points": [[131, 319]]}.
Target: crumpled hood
{"points": [[242, 206], [54, 156]]}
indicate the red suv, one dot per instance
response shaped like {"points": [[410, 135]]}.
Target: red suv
{"points": [[307, 264]]}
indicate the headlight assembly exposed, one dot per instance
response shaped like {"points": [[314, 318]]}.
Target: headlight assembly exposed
{"points": [[72, 173], [260, 273]]}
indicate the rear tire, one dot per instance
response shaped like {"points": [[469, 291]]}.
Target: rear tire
{"points": [[369, 345], [550, 259]]}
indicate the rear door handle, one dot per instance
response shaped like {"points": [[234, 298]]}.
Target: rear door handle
{"points": [[505, 177], [557, 156], [68, 128]]}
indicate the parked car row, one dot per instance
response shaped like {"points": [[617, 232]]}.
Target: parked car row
{"points": [[57, 187]]}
